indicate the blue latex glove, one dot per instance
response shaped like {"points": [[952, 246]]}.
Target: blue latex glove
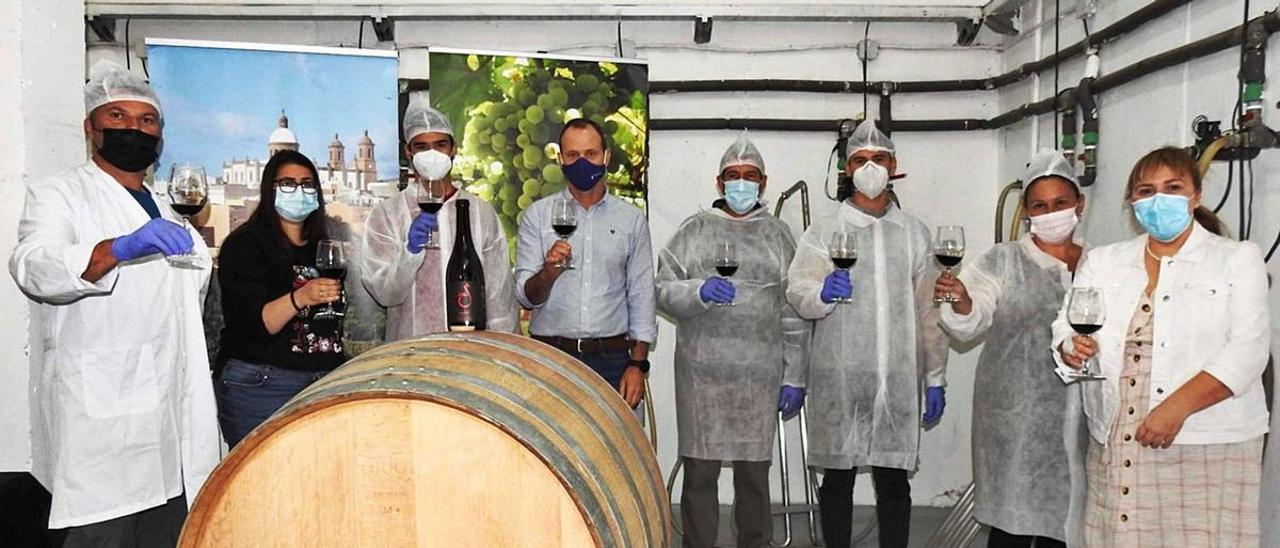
{"points": [[420, 231], [836, 286], [790, 400], [935, 400], [718, 290], [157, 236]]}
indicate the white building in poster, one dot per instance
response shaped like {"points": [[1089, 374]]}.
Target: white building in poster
{"points": [[357, 175]]}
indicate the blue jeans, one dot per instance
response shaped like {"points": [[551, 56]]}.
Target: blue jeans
{"points": [[610, 364], [248, 393]]}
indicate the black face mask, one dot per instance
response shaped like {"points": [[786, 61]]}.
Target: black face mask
{"points": [[130, 150]]}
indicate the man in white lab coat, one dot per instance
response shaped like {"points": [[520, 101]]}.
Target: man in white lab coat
{"points": [[122, 408]]}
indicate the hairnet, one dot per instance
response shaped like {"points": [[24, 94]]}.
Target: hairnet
{"points": [[109, 82], [742, 153], [420, 118], [1048, 163], [867, 137]]}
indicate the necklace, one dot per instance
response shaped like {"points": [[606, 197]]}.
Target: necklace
{"points": [[1152, 254]]}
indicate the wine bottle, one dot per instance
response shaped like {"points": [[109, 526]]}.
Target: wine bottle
{"points": [[464, 277]]}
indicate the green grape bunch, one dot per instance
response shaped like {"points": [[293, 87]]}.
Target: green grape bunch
{"points": [[508, 153]]}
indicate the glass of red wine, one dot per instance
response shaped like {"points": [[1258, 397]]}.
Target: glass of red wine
{"points": [[331, 263], [948, 247], [1085, 313], [564, 221], [188, 193], [844, 254], [726, 263], [430, 200]]}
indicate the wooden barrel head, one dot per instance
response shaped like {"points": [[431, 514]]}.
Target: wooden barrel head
{"points": [[475, 440]]}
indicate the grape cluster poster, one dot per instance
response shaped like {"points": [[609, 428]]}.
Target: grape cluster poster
{"points": [[508, 108]]}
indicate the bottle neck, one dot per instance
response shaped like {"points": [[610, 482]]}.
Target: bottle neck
{"points": [[463, 210]]}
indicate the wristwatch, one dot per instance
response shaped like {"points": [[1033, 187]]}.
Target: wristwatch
{"points": [[642, 364]]}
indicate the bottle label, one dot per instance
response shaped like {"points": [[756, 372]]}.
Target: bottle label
{"points": [[466, 306]]}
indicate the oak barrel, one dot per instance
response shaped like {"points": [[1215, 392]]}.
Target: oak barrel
{"points": [[484, 439]]}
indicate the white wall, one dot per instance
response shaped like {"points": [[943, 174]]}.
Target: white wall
{"points": [[42, 106], [952, 176]]}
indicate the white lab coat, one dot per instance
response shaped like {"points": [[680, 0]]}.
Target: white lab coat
{"points": [[122, 406], [870, 360]]}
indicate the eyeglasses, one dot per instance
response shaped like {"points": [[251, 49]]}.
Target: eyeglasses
{"points": [[289, 186]]}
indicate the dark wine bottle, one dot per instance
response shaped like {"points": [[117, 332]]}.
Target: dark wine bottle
{"points": [[464, 278]]}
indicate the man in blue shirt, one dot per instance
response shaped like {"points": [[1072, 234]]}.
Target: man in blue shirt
{"points": [[601, 309]]}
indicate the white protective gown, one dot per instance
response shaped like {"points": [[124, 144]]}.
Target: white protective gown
{"points": [[731, 361], [411, 285], [122, 406], [870, 360], [1020, 463]]}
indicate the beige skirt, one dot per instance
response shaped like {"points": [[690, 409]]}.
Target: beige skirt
{"points": [[1203, 496]]}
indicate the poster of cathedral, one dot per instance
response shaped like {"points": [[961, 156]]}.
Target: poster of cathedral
{"points": [[230, 106]]}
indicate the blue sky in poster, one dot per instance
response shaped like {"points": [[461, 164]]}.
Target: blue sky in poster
{"points": [[221, 104]]}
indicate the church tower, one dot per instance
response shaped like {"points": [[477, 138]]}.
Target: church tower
{"points": [[364, 160]]}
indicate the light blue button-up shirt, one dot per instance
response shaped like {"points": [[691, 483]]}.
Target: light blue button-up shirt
{"points": [[610, 291]]}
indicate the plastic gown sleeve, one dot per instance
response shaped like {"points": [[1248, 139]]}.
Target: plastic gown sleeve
{"points": [[796, 332], [934, 343], [49, 259], [805, 276], [677, 289], [984, 289], [501, 307], [388, 270]]}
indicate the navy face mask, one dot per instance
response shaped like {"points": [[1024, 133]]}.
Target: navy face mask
{"points": [[583, 174]]}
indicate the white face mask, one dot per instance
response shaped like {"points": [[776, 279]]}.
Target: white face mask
{"points": [[871, 179], [1056, 227], [432, 165]]}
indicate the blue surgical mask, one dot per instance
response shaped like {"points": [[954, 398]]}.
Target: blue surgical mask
{"points": [[741, 195], [583, 174], [297, 205], [1163, 216]]}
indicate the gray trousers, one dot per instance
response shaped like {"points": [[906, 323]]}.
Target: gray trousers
{"points": [[151, 528], [700, 503]]}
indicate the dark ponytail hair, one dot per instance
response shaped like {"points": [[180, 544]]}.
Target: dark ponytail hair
{"points": [[1180, 162]]}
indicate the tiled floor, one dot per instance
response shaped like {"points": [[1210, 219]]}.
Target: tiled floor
{"points": [[924, 523]]}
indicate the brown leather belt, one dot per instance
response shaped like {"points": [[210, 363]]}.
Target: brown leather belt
{"points": [[588, 346]]}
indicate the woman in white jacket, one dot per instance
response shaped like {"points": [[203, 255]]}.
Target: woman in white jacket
{"points": [[1177, 426]]}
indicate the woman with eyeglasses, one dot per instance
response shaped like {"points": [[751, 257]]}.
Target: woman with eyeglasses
{"points": [[272, 346]]}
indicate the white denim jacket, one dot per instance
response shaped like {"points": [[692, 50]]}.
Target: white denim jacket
{"points": [[1210, 315]]}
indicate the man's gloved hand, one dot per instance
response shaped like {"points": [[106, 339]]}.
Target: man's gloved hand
{"points": [[157, 236], [717, 290], [790, 400], [836, 286], [420, 231], [935, 401]]}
